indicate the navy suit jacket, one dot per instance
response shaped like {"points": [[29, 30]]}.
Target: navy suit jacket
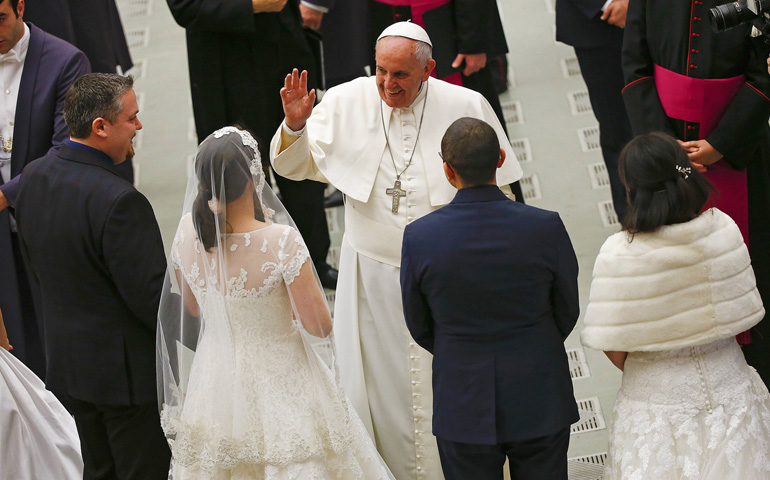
{"points": [[578, 23], [94, 250], [50, 68], [489, 287]]}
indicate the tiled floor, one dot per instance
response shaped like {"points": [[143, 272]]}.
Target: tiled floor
{"points": [[551, 127]]}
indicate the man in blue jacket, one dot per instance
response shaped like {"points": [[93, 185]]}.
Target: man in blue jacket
{"points": [[489, 287]]}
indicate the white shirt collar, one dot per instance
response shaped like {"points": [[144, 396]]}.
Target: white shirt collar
{"points": [[19, 51]]}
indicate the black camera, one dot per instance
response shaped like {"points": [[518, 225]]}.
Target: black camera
{"points": [[729, 15]]}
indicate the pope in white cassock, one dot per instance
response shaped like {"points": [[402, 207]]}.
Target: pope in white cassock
{"points": [[377, 140]]}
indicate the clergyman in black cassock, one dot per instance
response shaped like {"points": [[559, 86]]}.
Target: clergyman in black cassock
{"points": [[675, 40], [238, 60]]}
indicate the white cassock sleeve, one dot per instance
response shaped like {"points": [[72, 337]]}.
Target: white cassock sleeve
{"points": [[295, 162]]}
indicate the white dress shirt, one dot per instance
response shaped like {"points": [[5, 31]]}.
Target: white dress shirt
{"points": [[11, 66]]}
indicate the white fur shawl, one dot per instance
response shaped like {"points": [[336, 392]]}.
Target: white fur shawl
{"points": [[684, 285]]}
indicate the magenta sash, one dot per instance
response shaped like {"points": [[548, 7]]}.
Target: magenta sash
{"points": [[705, 102], [418, 8], [696, 100]]}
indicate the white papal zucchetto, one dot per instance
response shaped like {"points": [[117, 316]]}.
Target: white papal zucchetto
{"points": [[406, 30]]}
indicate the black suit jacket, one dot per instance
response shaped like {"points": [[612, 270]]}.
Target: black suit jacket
{"points": [[95, 252], [346, 45], [238, 61], [579, 23], [94, 26], [489, 287]]}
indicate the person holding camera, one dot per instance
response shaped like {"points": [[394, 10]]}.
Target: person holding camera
{"points": [[710, 91]]}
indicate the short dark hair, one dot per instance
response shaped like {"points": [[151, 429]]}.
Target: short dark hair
{"points": [[14, 6], [662, 186], [92, 96], [471, 147]]}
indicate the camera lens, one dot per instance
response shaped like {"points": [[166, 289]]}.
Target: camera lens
{"points": [[729, 15]]}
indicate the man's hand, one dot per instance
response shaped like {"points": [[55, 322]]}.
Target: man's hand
{"points": [[473, 62], [701, 153], [5, 344], [3, 202], [615, 14], [311, 18], [4, 336], [297, 102], [267, 5]]}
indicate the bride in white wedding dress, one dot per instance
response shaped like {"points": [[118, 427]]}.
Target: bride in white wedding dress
{"points": [[245, 396], [669, 294]]}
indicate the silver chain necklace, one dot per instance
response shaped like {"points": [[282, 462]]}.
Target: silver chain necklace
{"points": [[396, 192]]}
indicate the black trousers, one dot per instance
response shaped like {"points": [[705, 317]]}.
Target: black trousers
{"points": [[536, 459], [121, 443], [603, 73]]}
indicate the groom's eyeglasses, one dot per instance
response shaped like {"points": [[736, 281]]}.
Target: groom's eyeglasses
{"points": [[443, 160]]}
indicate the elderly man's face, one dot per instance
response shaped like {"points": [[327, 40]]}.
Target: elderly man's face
{"points": [[11, 25], [399, 73]]}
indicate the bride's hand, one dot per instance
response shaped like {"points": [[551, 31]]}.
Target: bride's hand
{"points": [[297, 102]]}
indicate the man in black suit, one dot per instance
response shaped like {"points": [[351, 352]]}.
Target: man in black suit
{"points": [[95, 252], [346, 47], [238, 54], [93, 26], [595, 29], [489, 287]]}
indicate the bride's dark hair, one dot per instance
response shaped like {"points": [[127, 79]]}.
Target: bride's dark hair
{"points": [[662, 186], [222, 169]]}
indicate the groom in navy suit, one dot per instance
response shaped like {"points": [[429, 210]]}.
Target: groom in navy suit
{"points": [[490, 288]]}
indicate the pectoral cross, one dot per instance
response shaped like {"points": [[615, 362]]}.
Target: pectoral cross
{"points": [[396, 193]]}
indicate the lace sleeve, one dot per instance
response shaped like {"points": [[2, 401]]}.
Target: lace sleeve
{"points": [[185, 251], [292, 254]]}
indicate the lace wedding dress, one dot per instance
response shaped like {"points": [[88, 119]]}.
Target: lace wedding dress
{"points": [[693, 413], [259, 403]]}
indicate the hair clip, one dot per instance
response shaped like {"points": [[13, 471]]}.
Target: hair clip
{"points": [[214, 206], [684, 171]]}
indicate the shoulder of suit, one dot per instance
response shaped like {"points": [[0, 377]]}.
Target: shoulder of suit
{"points": [[531, 210], [426, 222], [53, 42], [40, 162]]}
